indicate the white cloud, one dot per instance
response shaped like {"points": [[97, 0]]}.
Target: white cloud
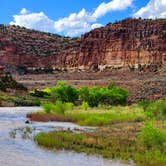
{"points": [[73, 25], [38, 21], [154, 9], [77, 23], [113, 5], [24, 11]]}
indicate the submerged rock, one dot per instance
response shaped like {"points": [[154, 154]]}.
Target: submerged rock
{"points": [[27, 122]]}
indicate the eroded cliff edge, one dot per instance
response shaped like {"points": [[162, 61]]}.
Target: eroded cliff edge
{"points": [[128, 44]]}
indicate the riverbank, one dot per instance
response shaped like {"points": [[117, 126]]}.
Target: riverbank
{"points": [[22, 150], [98, 116], [124, 141], [128, 132], [108, 142], [135, 132]]}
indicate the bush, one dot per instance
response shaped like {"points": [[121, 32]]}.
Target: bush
{"points": [[144, 104], [85, 106], [7, 82], [58, 108], [156, 109], [84, 93], [23, 101], [64, 92], [118, 95], [69, 106], [99, 95], [92, 96], [48, 107], [39, 93], [152, 137]]}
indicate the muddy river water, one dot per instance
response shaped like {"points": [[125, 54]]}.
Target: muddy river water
{"points": [[24, 152]]}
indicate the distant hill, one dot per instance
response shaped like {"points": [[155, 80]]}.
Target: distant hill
{"points": [[127, 44]]}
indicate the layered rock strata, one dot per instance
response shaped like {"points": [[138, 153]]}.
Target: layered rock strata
{"points": [[128, 44]]}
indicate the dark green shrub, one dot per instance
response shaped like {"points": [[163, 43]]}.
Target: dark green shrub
{"points": [[7, 82], [95, 97], [118, 95], [39, 93], [92, 96], [23, 101], [84, 93], [64, 92], [99, 95]]}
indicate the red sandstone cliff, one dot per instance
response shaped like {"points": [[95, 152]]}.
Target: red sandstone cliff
{"points": [[130, 43]]}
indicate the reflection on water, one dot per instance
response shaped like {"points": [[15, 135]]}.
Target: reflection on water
{"points": [[19, 152]]}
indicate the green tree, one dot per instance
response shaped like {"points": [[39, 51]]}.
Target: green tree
{"points": [[64, 92]]}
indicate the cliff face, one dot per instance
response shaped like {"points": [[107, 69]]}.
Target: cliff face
{"points": [[129, 44], [20, 47]]}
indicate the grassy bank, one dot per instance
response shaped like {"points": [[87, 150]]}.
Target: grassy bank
{"points": [[94, 106], [134, 132], [93, 116], [101, 115], [144, 144]]}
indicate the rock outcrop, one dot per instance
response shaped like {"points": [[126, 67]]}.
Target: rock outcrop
{"points": [[128, 44]]}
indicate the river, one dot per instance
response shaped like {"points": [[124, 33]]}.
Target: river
{"points": [[24, 152]]}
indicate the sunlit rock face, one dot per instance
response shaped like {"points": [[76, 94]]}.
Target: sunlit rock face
{"points": [[129, 44]]}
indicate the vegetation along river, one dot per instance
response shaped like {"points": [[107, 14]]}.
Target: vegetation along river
{"points": [[18, 151]]}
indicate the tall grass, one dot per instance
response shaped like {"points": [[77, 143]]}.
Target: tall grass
{"points": [[59, 108], [152, 137], [155, 110], [48, 107], [105, 115], [103, 118], [107, 144]]}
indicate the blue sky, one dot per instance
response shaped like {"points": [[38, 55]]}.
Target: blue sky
{"points": [[74, 17]]}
